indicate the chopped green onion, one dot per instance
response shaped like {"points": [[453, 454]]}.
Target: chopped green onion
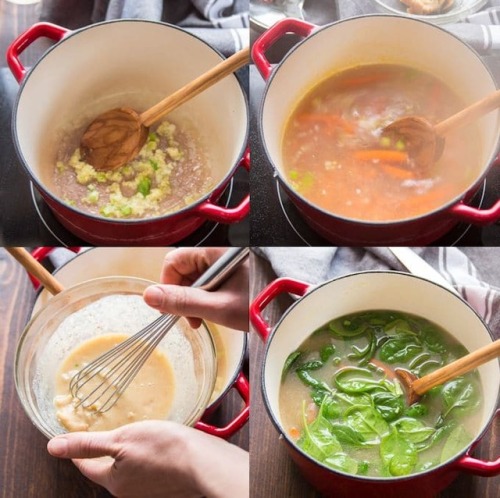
{"points": [[144, 186]]}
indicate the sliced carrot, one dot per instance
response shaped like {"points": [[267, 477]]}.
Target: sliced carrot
{"points": [[327, 119], [385, 155], [294, 433], [311, 412], [395, 172]]}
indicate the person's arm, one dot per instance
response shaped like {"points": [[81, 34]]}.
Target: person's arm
{"points": [[227, 305], [157, 459]]}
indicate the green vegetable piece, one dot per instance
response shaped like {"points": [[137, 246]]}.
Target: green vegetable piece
{"points": [[367, 422], [416, 410], [457, 441], [310, 381], [433, 340], [353, 380], [347, 435], [311, 365], [126, 210], [399, 350], [398, 455], [144, 186], [460, 395], [316, 438], [293, 174], [342, 462], [327, 352], [154, 164], [289, 362], [152, 137], [389, 405], [385, 141], [363, 468], [413, 430]]}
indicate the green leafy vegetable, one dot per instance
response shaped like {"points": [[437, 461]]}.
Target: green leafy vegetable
{"points": [[398, 455], [291, 359], [399, 350], [459, 395], [389, 405], [327, 352], [311, 365], [347, 435], [413, 430], [144, 186], [354, 380], [367, 422], [457, 441], [311, 381], [342, 462]]}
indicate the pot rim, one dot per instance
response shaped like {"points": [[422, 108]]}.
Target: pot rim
{"points": [[280, 176], [129, 221], [278, 426], [195, 414]]}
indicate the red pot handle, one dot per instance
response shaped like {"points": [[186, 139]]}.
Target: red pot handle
{"points": [[40, 253], [271, 36], [479, 467], [23, 41], [242, 386], [221, 214], [274, 289], [474, 215]]}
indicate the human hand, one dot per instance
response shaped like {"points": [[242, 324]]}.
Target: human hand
{"points": [[157, 459], [228, 305]]}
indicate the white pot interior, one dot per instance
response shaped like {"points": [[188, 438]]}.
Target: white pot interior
{"points": [[146, 263], [125, 63], [369, 40], [372, 291]]}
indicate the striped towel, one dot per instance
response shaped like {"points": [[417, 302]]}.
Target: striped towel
{"points": [[472, 271]]}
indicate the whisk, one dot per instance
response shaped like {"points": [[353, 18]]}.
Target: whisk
{"points": [[110, 374]]}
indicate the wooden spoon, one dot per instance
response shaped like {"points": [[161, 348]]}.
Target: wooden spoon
{"points": [[424, 141], [416, 387], [116, 137], [33, 267]]}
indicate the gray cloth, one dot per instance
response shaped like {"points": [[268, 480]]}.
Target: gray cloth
{"points": [[474, 272], [200, 17]]}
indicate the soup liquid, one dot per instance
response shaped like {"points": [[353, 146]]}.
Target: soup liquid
{"points": [[428, 349], [335, 157], [149, 395]]}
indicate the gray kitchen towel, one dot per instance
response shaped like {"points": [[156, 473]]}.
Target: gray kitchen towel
{"points": [[481, 30], [221, 23], [474, 272]]}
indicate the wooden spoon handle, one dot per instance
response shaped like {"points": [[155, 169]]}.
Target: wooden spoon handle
{"points": [[35, 268], [221, 70], [457, 367], [469, 114]]}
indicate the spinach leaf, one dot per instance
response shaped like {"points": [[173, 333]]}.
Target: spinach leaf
{"points": [[311, 365], [389, 405], [363, 467], [460, 395], [413, 430], [433, 339], [342, 462], [398, 455], [364, 354], [350, 326], [367, 422], [311, 381], [417, 410], [347, 435], [400, 350], [327, 352], [457, 441], [353, 380], [317, 439], [292, 358]]}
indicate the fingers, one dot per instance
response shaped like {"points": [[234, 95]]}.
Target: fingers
{"points": [[83, 445], [184, 266], [184, 301], [97, 470]]}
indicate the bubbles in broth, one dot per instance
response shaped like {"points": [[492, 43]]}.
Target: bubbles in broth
{"points": [[335, 156], [343, 405]]}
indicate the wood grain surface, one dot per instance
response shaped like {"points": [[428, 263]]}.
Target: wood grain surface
{"points": [[273, 474], [26, 469]]}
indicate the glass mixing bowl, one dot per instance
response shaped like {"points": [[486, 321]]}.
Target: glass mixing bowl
{"points": [[460, 10], [44, 345]]}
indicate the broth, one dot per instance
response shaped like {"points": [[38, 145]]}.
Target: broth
{"points": [[342, 404], [334, 154], [171, 172]]}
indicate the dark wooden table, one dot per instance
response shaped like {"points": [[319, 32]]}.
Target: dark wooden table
{"points": [[272, 472], [26, 469]]}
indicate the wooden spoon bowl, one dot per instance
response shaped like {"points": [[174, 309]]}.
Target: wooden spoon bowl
{"points": [[425, 141], [116, 137]]}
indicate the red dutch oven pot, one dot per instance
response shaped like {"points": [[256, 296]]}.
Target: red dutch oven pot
{"points": [[144, 262], [365, 40], [114, 63], [357, 292]]}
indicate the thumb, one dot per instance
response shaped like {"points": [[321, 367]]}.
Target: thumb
{"points": [[83, 445], [184, 301]]}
